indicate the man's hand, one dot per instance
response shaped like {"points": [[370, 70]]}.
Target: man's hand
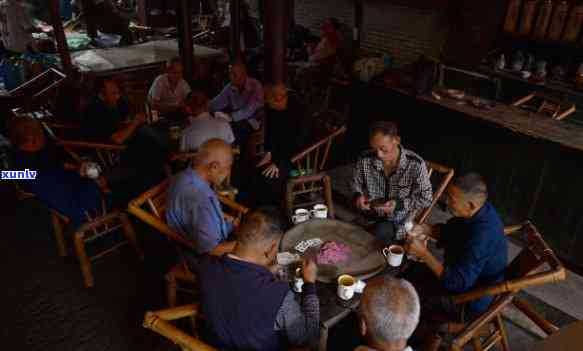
{"points": [[389, 207], [362, 203], [265, 160], [309, 270], [271, 171], [420, 230], [417, 248]]}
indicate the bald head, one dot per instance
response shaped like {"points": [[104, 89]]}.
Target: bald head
{"points": [[238, 74], [276, 96], [389, 310], [27, 134], [214, 160]]}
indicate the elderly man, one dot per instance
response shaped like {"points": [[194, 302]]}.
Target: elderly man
{"points": [[476, 251], [388, 314], [193, 206], [169, 90], [243, 99], [245, 306], [58, 184], [203, 126], [390, 183], [142, 163]]}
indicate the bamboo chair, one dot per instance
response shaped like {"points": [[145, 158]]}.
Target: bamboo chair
{"points": [[535, 265], [313, 182], [447, 175], [96, 227], [159, 322], [557, 108], [150, 207], [106, 155]]}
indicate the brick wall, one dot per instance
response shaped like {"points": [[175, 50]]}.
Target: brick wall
{"points": [[403, 32]]}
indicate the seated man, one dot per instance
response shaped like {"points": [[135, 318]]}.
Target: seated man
{"points": [[169, 90], [141, 165], [388, 314], [243, 99], [58, 184], [476, 251], [391, 183], [193, 206], [245, 307], [203, 126]]}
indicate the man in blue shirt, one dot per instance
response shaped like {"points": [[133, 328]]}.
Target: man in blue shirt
{"points": [[193, 206], [476, 252]]}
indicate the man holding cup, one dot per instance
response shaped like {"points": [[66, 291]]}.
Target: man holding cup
{"points": [[390, 183], [476, 252], [248, 308]]}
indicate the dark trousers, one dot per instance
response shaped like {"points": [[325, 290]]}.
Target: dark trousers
{"points": [[384, 231], [242, 130]]}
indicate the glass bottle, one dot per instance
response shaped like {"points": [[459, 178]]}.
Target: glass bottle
{"points": [[528, 14], [543, 20], [558, 21], [574, 23], [512, 16]]}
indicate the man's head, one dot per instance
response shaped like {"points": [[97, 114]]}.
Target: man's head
{"points": [[174, 70], [214, 161], [389, 311], [385, 140], [108, 91], [466, 195], [238, 75], [259, 235], [27, 134], [276, 96], [196, 103]]}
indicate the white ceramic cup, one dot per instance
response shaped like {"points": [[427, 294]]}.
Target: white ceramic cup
{"points": [[300, 215], [298, 281], [320, 211], [394, 255], [346, 287], [92, 170]]}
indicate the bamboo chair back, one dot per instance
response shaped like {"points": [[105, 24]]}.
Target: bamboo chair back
{"points": [[444, 175], [106, 155], [526, 269], [313, 159], [159, 322], [557, 109]]}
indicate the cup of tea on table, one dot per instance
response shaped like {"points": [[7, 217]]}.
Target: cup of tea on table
{"points": [[300, 215], [394, 255], [320, 211], [346, 287]]}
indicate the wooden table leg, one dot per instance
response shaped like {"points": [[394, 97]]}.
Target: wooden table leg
{"points": [[323, 338], [84, 260]]}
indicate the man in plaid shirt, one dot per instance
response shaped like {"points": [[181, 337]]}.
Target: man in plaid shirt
{"points": [[390, 183]]}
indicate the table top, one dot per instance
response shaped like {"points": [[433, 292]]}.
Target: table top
{"points": [[569, 338], [365, 260]]}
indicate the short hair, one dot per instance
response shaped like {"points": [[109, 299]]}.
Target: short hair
{"points": [[385, 128], [265, 224], [173, 61], [472, 184], [197, 100], [391, 309], [23, 129], [207, 151]]}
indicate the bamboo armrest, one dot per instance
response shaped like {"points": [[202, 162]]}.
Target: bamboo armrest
{"points": [[475, 326], [440, 168], [110, 217], [307, 179], [511, 229], [171, 314], [232, 204], [91, 145], [303, 154]]}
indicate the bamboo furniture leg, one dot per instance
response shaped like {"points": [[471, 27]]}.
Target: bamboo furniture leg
{"points": [[130, 234], [58, 231], [84, 260], [171, 288]]}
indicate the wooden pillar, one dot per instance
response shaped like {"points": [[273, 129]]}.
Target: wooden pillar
{"points": [[142, 12], [235, 26], [185, 43], [87, 6], [276, 28], [357, 29], [60, 39]]}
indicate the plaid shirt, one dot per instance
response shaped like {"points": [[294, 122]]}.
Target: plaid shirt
{"points": [[409, 185]]}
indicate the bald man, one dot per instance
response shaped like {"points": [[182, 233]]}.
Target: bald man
{"points": [[193, 206], [243, 99]]}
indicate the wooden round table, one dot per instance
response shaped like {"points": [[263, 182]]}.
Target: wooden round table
{"points": [[569, 338], [366, 259]]}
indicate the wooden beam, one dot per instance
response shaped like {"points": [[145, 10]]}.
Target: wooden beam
{"points": [[185, 43], [235, 27], [60, 38]]}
